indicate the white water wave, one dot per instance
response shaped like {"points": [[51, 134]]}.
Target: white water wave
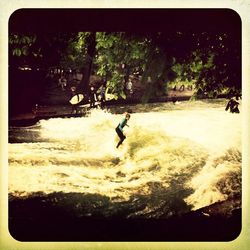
{"points": [[197, 149]]}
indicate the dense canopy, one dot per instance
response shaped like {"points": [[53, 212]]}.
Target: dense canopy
{"points": [[160, 47]]}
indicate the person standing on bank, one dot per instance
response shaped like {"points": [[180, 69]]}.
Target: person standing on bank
{"points": [[92, 97], [119, 129]]}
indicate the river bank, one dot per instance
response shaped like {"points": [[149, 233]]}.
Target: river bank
{"points": [[54, 111]]}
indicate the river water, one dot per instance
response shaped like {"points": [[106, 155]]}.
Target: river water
{"points": [[176, 158]]}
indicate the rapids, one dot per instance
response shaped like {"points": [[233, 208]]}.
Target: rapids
{"points": [[175, 158]]}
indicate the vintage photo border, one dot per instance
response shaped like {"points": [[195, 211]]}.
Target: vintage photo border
{"points": [[242, 7]]}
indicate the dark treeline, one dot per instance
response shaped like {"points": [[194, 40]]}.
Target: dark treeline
{"points": [[160, 47]]}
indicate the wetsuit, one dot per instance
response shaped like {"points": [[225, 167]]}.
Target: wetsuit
{"points": [[119, 131], [233, 105]]}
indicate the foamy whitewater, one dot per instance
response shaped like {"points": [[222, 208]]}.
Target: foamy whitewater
{"points": [[188, 153]]}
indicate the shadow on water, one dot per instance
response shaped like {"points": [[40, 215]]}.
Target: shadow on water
{"points": [[25, 134], [161, 215], [93, 217], [84, 217]]}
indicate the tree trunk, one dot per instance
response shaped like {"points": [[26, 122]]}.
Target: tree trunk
{"points": [[91, 44]]}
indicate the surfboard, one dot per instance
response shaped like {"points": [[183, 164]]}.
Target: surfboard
{"points": [[76, 99]]}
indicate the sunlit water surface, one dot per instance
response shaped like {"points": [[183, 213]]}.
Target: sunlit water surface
{"points": [[188, 154]]}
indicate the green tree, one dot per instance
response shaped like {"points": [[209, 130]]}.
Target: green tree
{"points": [[118, 56], [39, 50], [212, 60]]}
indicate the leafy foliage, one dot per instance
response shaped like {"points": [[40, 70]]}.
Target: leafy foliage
{"points": [[119, 55], [75, 55], [210, 60], [213, 63], [20, 44]]}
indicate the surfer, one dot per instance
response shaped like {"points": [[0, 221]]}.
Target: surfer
{"points": [[119, 129], [232, 105]]}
